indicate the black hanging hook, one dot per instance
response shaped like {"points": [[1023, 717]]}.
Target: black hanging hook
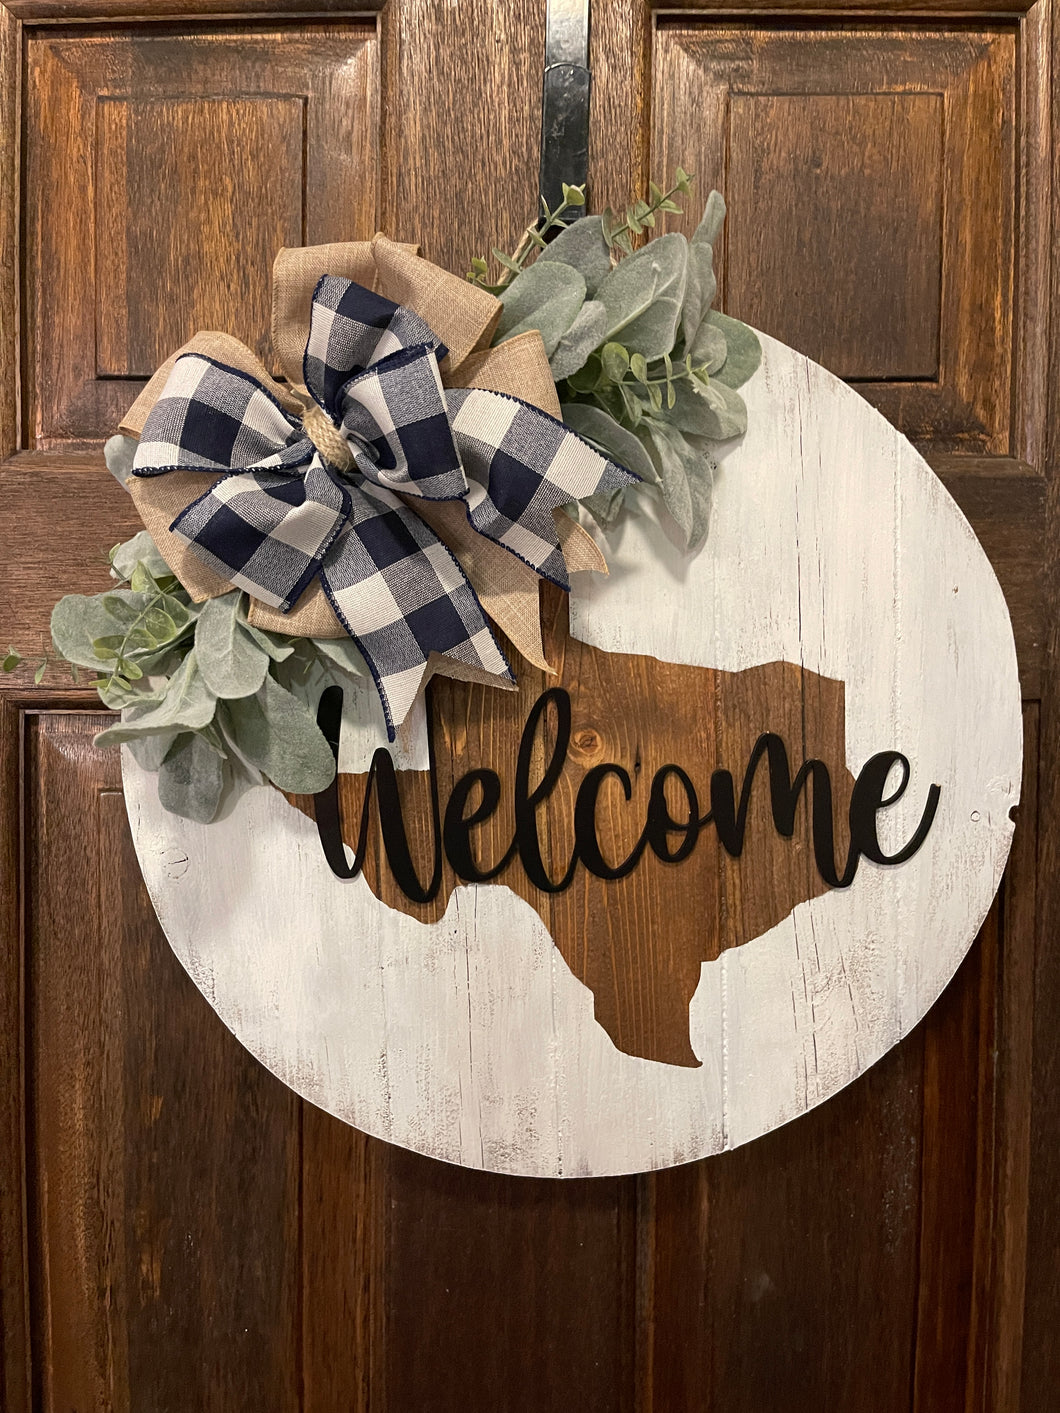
{"points": [[565, 102]]}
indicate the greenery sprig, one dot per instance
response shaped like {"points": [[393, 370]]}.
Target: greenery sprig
{"points": [[645, 368]]}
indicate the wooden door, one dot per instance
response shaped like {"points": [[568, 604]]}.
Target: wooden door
{"points": [[177, 1230]]}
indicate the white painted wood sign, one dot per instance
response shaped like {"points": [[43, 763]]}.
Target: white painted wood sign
{"points": [[474, 1038]]}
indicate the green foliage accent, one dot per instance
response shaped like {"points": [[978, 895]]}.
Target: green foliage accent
{"points": [[11, 660], [232, 662], [743, 350], [276, 732], [586, 333], [547, 297], [191, 778], [140, 551], [188, 704], [643, 296], [206, 699], [632, 337], [118, 453], [534, 238], [582, 246], [686, 477]]}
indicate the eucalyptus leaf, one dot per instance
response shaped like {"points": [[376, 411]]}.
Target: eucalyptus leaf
{"points": [[610, 437], [279, 734], [744, 350], [141, 549], [188, 703], [546, 297], [589, 377], [118, 453], [231, 662], [582, 246], [191, 779], [686, 475], [158, 617], [77, 622], [643, 297], [583, 336]]}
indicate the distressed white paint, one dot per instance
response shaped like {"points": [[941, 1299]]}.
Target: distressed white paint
{"points": [[833, 545]]}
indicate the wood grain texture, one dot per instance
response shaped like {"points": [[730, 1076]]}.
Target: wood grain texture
{"points": [[143, 1246], [559, 1332], [620, 41], [178, 163], [770, 1263], [641, 716], [877, 153], [764, 114], [14, 1269], [1003, 1299], [462, 125], [201, 193], [133, 11], [344, 1208], [63, 517], [833, 1253], [1040, 1374], [10, 214]]}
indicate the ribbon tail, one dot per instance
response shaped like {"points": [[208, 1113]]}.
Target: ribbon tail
{"points": [[508, 590], [402, 596], [522, 465]]}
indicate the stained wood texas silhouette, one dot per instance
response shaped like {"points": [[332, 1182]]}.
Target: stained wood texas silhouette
{"points": [[636, 942]]}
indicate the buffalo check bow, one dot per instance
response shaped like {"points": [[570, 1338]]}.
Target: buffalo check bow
{"points": [[283, 514]]}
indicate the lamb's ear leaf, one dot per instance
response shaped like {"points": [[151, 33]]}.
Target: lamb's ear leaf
{"points": [[546, 297], [744, 350], [188, 703], [700, 290], [709, 228], [582, 245], [191, 779], [606, 507], [141, 549], [601, 430], [580, 340], [643, 296], [150, 751], [233, 664], [343, 653], [276, 648], [118, 453], [708, 349], [708, 410], [279, 734], [686, 474]]}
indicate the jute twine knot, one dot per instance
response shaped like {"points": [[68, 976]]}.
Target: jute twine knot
{"points": [[326, 437]]}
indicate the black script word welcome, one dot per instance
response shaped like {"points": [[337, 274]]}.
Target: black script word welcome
{"points": [[670, 839]]}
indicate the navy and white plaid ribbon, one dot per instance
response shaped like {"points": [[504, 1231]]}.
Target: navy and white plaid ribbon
{"points": [[284, 515]]}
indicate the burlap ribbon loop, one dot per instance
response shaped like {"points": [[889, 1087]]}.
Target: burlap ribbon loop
{"points": [[464, 318]]}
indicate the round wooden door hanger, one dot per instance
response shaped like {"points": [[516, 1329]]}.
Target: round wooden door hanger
{"points": [[655, 905]]}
